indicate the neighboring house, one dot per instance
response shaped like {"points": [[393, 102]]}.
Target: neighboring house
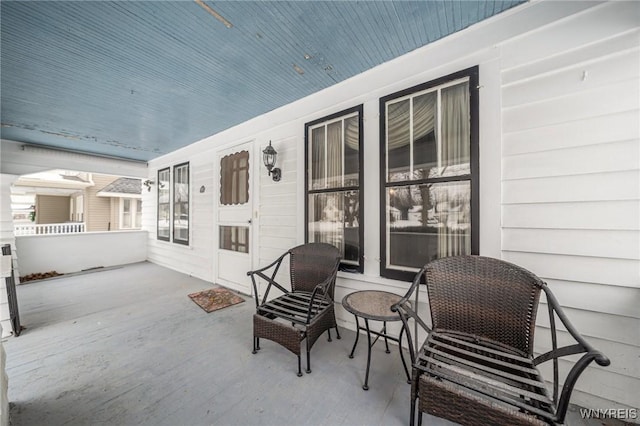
{"points": [[125, 199], [99, 202]]}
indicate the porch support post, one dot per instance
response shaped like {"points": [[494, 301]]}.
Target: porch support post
{"points": [[6, 237]]}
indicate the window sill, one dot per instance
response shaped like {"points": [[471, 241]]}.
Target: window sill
{"points": [[371, 279]]}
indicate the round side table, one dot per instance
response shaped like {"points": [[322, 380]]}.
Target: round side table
{"points": [[376, 306]]}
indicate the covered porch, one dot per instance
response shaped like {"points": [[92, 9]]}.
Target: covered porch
{"points": [[127, 346], [516, 138]]}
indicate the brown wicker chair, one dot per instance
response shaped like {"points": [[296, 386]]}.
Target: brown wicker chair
{"points": [[477, 365], [304, 312]]}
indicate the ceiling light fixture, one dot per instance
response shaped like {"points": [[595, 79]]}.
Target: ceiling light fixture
{"points": [[298, 69], [214, 13]]}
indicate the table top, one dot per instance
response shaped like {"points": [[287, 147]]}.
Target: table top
{"points": [[372, 304]]}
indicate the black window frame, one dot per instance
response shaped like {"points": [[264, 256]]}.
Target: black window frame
{"points": [[168, 237], [473, 177], [173, 204], [348, 267]]}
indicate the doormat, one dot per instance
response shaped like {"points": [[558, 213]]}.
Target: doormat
{"points": [[215, 298]]}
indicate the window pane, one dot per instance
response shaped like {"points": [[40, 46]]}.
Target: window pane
{"points": [[398, 129], [181, 221], [126, 213], [456, 130], [163, 205], [317, 158], [181, 203], [235, 238], [334, 155], [334, 219], [425, 222], [163, 221], [425, 150], [234, 178], [138, 222], [351, 151], [163, 186]]}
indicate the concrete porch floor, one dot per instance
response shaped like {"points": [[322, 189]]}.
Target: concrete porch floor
{"points": [[126, 346]]}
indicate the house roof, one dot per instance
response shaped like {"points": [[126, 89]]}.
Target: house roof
{"points": [[74, 178], [122, 185]]}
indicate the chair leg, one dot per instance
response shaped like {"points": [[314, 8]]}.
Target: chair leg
{"points": [[420, 418], [329, 333], [299, 366], [308, 357], [412, 414], [338, 333], [256, 345]]}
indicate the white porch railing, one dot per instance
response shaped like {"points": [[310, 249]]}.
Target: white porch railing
{"points": [[49, 228]]}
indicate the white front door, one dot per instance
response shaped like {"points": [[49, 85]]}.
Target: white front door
{"points": [[234, 211]]}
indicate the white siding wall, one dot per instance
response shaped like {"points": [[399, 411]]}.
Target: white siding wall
{"points": [[570, 205], [552, 147], [196, 259]]}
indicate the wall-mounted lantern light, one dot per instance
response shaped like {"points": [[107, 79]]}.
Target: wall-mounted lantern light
{"points": [[269, 156], [148, 184]]}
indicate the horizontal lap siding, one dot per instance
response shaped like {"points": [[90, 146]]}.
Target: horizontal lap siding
{"points": [[52, 209], [196, 259], [97, 210], [278, 207], [571, 183], [278, 210]]}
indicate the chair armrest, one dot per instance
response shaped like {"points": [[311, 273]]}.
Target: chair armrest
{"points": [[323, 288], [580, 347], [270, 280], [408, 310]]}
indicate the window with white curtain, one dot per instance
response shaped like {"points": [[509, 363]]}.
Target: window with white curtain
{"points": [[334, 184], [130, 213], [181, 204], [429, 175], [164, 206]]}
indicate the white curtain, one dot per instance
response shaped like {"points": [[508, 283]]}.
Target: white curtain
{"points": [[326, 223], [317, 158], [453, 201], [456, 127], [334, 154]]}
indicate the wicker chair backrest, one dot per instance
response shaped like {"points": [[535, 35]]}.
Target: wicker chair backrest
{"points": [[485, 298], [311, 264]]}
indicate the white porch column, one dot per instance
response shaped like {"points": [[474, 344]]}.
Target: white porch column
{"points": [[6, 237], [4, 386]]}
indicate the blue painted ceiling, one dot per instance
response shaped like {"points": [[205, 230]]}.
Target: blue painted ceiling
{"points": [[138, 79]]}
